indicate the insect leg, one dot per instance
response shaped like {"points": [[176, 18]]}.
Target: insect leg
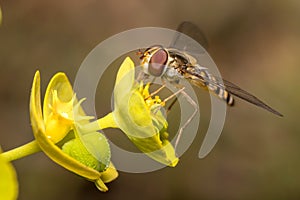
{"points": [[172, 104], [173, 95], [170, 97], [195, 106], [156, 91]]}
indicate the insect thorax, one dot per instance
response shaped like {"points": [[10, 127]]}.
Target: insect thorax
{"points": [[176, 62]]}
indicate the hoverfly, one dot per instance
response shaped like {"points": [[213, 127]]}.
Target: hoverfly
{"points": [[174, 64]]}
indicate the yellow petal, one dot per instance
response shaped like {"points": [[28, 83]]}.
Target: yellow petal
{"points": [[126, 73], [61, 108], [8, 180], [109, 174], [124, 82], [138, 111], [64, 91], [135, 119], [49, 148], [36, 115]]}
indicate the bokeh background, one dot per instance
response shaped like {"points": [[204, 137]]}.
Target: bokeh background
{"points": [[255, 44]]}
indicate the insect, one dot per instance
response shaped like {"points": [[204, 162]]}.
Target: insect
{"points": [[173, 64]]}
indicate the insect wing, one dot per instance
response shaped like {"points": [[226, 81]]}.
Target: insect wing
{"points": [[182, 39], [238, 92]]}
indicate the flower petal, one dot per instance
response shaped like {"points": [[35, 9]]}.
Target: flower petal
{"points": [[64, 91], [137, 121], [49, 148], [8, 180], [109, 174], [130, 113], [36, 115], [61, 108], [126, 74]]}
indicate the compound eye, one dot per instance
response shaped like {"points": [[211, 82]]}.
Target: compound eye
{"points": [[157, 62]]}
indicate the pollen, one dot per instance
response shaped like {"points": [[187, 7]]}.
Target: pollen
{"points": [[149, 99]]}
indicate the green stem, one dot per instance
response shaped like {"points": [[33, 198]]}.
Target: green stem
{"points": [[105, 122], [22, 151]]}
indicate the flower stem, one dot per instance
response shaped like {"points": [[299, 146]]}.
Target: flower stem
{"points": [[105, 122], [22, 151]]}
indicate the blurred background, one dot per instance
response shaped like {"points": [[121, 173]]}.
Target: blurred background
{"points": [[254, 43]]}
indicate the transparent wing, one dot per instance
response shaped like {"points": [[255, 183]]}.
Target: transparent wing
{"points": [[183, 43], [201, 77], [238, 92]]}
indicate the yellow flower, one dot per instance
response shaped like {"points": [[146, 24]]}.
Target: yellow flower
{"points": [[8, 180], [138, 115], [60, 136]]}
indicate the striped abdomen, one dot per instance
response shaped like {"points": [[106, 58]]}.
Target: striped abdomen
{"points": [[200, 77]]}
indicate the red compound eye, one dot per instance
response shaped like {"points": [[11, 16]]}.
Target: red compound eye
{"points": [[158, 62]]}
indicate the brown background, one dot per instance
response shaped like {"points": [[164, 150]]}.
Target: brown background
{"points": [[254, 43]]}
